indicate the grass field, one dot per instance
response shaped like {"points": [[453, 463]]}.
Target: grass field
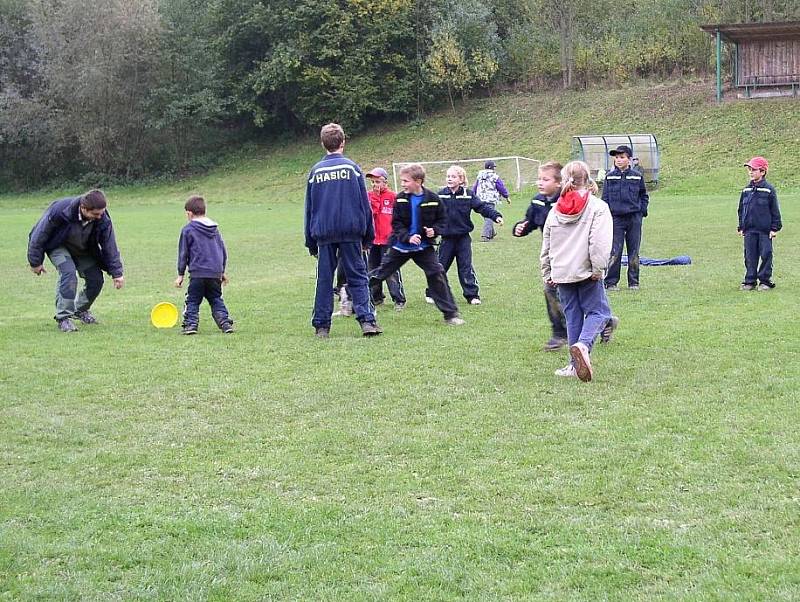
{"points": [[431, 463]]}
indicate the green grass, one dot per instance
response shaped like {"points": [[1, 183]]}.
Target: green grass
{"points": [[431, 463]]}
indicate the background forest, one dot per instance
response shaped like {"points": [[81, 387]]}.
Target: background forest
{"points": [[97, 90]]}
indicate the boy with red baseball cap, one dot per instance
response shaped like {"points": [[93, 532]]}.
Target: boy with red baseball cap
{"points": [[759, 223]]}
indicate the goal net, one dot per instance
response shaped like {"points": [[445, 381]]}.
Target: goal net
{"points": [[516, 172]]}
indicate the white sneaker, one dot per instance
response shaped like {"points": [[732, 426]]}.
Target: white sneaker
{"points": [[455, 321], [580, 358], [429, 300], [568, 371], [475, 301]]}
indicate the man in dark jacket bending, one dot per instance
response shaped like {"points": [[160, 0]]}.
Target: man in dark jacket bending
{"points": [[77, 235]]}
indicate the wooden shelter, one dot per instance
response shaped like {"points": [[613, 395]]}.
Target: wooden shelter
{"points": [[766, 58]]}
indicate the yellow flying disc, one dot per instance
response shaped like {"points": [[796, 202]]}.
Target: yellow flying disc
{"points": [[164, 315]]}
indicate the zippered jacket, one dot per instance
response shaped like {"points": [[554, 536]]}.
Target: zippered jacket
{"points": [[536, 214], [53, 228], [575, 247], [759, 209], [337, 207], [432, 215], [625, 192], [382, 205], [459, 205]]}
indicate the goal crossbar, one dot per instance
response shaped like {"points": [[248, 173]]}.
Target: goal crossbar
{"points": [[515, 158]]}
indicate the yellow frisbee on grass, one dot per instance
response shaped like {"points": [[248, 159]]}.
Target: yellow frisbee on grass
{"points": [[164, 315]]}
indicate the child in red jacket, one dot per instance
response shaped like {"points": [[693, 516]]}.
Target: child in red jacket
{"points": [[382, 201]]}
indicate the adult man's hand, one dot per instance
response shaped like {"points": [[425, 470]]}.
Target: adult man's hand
{"points": [[38, 270], [119, 282]]}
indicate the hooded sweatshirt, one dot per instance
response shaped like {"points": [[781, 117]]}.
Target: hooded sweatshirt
{"points": [[202, 249], [575, 247]]}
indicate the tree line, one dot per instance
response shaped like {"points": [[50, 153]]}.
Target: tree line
{"points": [[134, 88]]}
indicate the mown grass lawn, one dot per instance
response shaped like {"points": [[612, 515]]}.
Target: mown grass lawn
{"points": [[431, 463]]}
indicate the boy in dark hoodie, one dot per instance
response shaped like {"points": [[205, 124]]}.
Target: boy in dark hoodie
{"points": [[202, 250]]}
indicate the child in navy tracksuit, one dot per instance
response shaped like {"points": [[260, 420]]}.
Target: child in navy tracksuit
{"points": [[459, 202], [202, 250], [548, 183], [418, 218], [759, 223], [625, 192], [338, 228]]}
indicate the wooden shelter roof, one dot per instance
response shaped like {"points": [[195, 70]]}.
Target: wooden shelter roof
{"points": [[749, 32]]}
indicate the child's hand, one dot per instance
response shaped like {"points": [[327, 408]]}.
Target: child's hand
{"points": [[520, 227], [499, 220], [178, 281], [596, 276], [429, 232], [772, 234], [225, 279], [415, 240]]}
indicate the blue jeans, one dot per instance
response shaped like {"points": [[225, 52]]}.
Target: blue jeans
{"points": [[586, 310], [628, 232], [349, 255], [211, 290], [757, 246]]}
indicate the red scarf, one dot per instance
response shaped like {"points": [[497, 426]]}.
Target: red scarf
{"points": [[572, 202]]}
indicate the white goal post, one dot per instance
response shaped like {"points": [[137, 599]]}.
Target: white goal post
{"points": [[515, 171]]}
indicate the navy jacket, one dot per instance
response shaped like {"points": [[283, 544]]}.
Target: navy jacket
{"points": [[759, 209], [432, 215], [536, 214], [459, 205], [625, 192], [337, 205], [53, 228], [202, 250]]}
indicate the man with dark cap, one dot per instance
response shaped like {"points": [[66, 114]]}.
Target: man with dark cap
{"points": [[77, 235], [627, 197]]}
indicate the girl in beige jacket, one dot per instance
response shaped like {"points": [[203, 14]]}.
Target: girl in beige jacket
{"points": [[576, 246]]}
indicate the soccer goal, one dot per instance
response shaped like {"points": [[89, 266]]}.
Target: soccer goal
{"points": [[516, 172]]}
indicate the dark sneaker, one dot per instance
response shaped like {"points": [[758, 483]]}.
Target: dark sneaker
{"points": [[86, 317], [189, 329], [227, 327], [612, 288], [66, 325], [370, 329], [322, 332], [581, 361], [377, 302], [608, 329], [747, 287], [766, 286], [554, 344]]}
